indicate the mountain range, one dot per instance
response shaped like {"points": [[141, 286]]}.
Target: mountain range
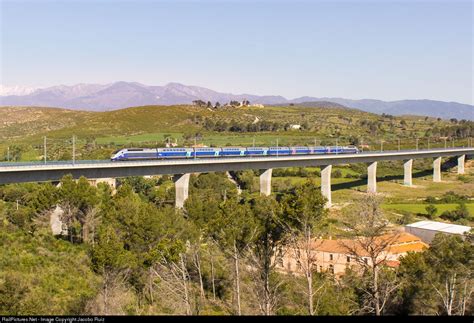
{"points": [[117, 95]]}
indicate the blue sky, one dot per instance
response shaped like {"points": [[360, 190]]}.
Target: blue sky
{"points": [[353, 49]]}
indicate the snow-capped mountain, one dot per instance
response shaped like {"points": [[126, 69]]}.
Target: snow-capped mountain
{"points": [[16, 90]]}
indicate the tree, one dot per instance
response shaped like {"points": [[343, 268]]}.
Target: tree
{"points": [[271, 236], [76, 199], [431, 210], [368, 228], [440, 280], [415, 295], [12, 294], [234, 231], [174, 281], [146, 235], [354, 141], [451, 263], [199, 103], [304, 207], [112, 261]]}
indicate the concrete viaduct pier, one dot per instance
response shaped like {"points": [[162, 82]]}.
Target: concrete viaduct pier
{"points": [[182, 168], [407, 172]]}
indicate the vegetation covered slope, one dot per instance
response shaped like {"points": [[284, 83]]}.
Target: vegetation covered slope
{"points": [[133, 253], [153, 125]]}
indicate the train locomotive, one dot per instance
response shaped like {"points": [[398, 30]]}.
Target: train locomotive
{"points": [[210, 152]]}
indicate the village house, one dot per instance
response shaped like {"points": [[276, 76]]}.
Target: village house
{"points": [[335, 255]]}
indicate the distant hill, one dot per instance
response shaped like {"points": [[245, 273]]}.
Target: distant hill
{"points": [[316, 104], [322, 120], [445, 110], [118, 95]]}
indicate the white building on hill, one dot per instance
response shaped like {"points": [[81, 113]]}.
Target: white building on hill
{"points": [[426, 230]]}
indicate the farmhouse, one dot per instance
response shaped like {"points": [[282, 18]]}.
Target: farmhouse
{"points": [[334, 256]]}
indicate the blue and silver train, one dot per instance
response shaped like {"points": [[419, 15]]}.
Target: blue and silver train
{"points": [[205, 152]]}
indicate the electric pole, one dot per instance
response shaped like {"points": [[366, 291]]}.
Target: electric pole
{"points": [[44, 146], [73, 149]]}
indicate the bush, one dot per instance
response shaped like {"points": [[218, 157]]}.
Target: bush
{"points": [[464, 179], [303, 172], [451, 197], [349, 175], [337, 173], [407, 218], [460, 213], [431, 211], [430, 199]]}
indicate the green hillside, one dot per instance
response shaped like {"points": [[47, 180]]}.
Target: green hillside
{"points": [[23, 128]]}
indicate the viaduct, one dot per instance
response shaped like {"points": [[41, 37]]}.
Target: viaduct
{"points": [[182, 168]]}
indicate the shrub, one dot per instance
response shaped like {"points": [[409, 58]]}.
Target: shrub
{"points": [[464, 179], [460, 213], [337, 173], [430, 199], [451, 197], [407, 218], [431, 211]]}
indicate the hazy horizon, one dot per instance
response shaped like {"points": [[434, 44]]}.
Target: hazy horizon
{"points": [[354, 49], [229, 92]]}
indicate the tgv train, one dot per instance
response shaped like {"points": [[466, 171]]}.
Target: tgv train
{"points": [[205, 152]]}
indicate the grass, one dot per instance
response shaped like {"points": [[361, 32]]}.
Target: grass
{"points": [[420, 208], [148, 137]]}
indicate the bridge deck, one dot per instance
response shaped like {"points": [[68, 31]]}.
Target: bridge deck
{"points": [[33, 172]]}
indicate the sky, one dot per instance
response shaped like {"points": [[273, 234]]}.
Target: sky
{"points": [[352, 49]]}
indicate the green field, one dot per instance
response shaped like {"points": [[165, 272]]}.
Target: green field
{"points": [[420, 208], [148, 137]]}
